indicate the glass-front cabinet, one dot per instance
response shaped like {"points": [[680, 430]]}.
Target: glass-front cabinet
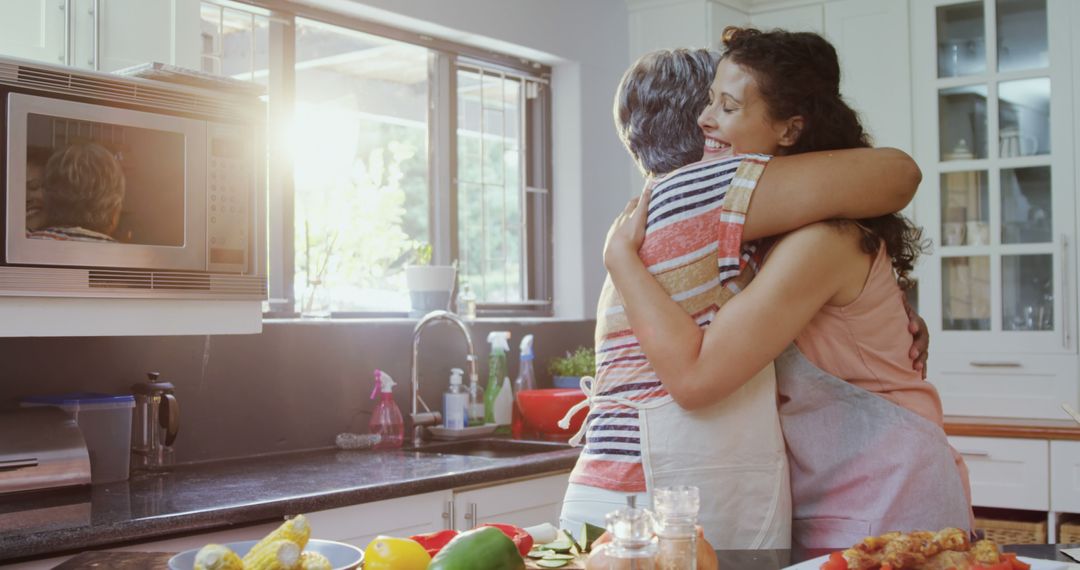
{"points": [[994, 130], [994, 140]]}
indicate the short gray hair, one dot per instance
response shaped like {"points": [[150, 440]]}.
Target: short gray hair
{"points": [[657, 106]]}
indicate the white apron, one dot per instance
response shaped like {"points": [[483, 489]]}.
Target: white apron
{"points": [[860, 464], [733, 451]]}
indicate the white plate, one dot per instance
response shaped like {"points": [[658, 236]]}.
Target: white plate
{"points": [[816, 563], [342, 556], [439, 432]]}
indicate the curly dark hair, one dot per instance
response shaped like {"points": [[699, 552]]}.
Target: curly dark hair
{"points": [[798, 73], [657, 105]]}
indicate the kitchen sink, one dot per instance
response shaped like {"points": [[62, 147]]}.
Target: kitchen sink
{"points": [[497, 448]]}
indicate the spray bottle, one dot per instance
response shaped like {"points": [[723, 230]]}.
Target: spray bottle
{"points": [[526, 380], [476, 398], [498, 402], [386, 419]]}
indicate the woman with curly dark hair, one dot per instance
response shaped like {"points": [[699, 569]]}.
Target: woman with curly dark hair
{"points": [[864, 433]]}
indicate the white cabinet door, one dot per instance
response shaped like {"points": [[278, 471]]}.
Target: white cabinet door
{"points": [[34, 29], [1065, 476], [1007, 473], [404, 516], [666, 24], [994, 136], [131, 32], [799, 19], [522, 503], [871, 40]]}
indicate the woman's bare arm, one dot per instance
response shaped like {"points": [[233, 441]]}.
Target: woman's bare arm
{"points": [[853, 183], [698, 366]]}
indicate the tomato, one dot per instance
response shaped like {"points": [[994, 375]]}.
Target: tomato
{"points": [[1016, 564], [836, 562], [434, 541], [1003, 565], [522, 539], [389, 553]]}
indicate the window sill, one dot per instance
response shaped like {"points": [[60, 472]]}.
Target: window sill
{"points": [[335, 321]]}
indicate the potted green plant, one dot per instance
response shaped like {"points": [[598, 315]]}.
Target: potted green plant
{"points": [[429, 285], [566, 371]]}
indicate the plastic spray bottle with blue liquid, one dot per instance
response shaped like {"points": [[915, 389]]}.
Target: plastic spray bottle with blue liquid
{"points": [[526, 380]]}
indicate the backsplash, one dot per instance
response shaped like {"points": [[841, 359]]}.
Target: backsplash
{"points": [[295, 386]]}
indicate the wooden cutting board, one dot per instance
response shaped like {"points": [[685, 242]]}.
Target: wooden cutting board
{"points": [[105, 560]]}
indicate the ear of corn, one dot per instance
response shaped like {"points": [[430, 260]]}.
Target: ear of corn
{"points": [[295, 529], [314, 561], [278, 555], [217, 557]]}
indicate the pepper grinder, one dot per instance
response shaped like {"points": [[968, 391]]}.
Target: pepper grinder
{"points": [[157, 421]]}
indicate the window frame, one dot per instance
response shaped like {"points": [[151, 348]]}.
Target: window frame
{"points": [[444, 61]]}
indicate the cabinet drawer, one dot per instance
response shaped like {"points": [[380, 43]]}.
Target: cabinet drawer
{"points": [[1065, 476], [1005, 385], [404, 516], [522, 503], [1007, 473]]}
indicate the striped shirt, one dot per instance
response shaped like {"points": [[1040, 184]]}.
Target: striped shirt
{"points": [[693, 247]]}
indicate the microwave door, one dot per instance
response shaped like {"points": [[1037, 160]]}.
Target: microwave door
{"points": [[123, 188]]}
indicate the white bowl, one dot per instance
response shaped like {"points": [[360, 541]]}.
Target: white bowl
{"points": [[342, 556]]}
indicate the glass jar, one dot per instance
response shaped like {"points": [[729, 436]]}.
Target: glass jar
{"points": [[675, 512]]}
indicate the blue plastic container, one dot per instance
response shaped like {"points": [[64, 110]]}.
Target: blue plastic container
{"points": [[105, 422]]}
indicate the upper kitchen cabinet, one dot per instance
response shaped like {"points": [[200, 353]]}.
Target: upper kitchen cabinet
{"points": [[105, 35], [871, 39], [993, 100], [665, 24]]}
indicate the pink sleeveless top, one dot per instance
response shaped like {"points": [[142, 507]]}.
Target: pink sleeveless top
{"points": [[866, 343]]}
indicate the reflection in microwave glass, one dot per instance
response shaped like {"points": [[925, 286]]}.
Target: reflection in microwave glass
{"points": [[98, 182]]}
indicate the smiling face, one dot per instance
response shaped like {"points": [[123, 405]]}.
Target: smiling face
{"points": [[737, 120]]}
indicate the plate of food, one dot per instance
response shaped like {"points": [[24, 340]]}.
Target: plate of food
{"points": [[289, 546], [925, 550]]}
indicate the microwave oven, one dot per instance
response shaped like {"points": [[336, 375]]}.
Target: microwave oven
{"points": [[127, 187]]}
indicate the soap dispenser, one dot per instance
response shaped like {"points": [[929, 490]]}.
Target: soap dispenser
{"points": [[386, 420], [455, 402]]}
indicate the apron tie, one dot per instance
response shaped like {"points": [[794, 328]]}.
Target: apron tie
{"points": [[589, 402]]}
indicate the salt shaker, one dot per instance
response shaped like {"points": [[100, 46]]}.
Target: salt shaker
{"points": [[633, 543], [676, 511]]}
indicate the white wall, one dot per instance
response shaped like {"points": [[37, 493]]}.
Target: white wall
{"points": [[585, 41]]}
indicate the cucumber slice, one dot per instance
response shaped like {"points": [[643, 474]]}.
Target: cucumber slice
{"points": [[574, 547], [540, 553], [552, 555], [550, 563], [562, 543]]}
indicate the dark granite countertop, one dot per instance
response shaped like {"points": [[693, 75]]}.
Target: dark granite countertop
{"points": [[202, 497]]}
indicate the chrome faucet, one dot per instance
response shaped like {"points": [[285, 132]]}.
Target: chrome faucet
{"points": [[428, 417]]}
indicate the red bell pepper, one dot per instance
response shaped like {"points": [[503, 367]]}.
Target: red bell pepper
{"points": [[434, 541], [522, 539]]}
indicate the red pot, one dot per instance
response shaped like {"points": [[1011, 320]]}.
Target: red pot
{"points": [[543, 409]]}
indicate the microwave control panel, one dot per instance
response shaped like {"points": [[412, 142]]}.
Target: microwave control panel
{"points": [[229, 186]]}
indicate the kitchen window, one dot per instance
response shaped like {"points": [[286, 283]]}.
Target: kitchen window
{"points": [[388, 141]]}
